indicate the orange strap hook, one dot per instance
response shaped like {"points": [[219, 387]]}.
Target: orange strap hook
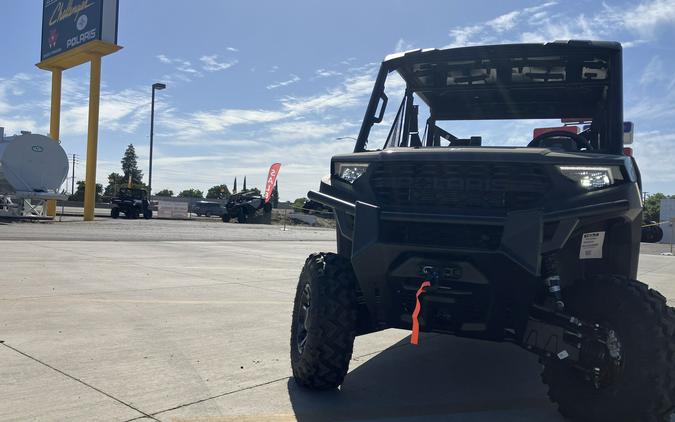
{"points": [[414, 338]]}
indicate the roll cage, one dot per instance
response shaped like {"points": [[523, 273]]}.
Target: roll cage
{"points": [[562, 79]]}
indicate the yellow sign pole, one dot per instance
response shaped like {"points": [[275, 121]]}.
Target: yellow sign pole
{"points": [[92, 138], [92, 52], [55, 123]]}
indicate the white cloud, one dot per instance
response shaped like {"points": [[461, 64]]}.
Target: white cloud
{"points": [[211, 63], [648, 16], [653, 72], [232, 49], [162, 58], [325, 73], [181, 66], [349, 94], [308, 129], [403, 45], [504, 22], [294, 79]]}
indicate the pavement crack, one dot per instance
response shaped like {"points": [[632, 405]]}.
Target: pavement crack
{"points": [[262, 384], [145, 415]]}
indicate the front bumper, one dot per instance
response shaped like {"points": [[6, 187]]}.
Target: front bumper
{"points": [[504, 261]]}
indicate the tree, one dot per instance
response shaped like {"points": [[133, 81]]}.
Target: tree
{"points": [[275, 196], [652, 206], [79, 192], [130, 166], [244, 187], [191, 193], [115, 182], [165, 193], [234, 188], [218, 192]]}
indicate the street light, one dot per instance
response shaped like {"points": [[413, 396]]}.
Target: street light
{"points": [[156, 86]]}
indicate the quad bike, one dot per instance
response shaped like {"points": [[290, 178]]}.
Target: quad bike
{"points": [[133, 203]]}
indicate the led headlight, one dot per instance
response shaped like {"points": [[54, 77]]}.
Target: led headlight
{"points": [[592, 177], [349, 172]]}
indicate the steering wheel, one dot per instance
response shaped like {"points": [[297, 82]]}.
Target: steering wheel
{"points": [[582, 143]]}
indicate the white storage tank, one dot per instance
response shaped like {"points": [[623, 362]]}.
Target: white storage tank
{"points": [[31, 164]]}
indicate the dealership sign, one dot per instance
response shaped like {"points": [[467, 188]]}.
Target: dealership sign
{"points": [[67, 24]]}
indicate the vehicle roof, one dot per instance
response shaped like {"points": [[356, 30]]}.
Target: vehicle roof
{"points": [[546, 80], [494, 50]]}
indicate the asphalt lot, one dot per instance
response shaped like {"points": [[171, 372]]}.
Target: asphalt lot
{"points": [[168, 320]]}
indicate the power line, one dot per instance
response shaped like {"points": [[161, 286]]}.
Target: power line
{"points": [[72, 186]]}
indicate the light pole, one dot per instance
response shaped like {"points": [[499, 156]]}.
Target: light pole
{"points": [[156, 86]]}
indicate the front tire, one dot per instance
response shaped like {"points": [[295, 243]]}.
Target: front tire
{"points": [[324, 322], [242, 217], [643, 387]]}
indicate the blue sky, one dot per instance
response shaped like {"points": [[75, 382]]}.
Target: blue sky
{"points": [[251, 83]]}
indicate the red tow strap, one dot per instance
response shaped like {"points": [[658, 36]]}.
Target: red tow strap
{"points": [[414, 338]]}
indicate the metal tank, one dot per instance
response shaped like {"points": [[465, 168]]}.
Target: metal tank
{"points": [[32, 166]]}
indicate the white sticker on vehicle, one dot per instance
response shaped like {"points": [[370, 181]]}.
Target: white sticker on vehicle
{"points": [[591, 245]]}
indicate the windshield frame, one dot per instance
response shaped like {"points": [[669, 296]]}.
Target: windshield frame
{"points": [[610, 112]]}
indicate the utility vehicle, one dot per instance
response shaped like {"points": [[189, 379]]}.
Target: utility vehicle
{"points": [[246, 205], [133, 203], [534, 242], [208, 208]]}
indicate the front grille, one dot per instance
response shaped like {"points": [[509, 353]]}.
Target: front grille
{"points": [[445, 186], [463, 236]]}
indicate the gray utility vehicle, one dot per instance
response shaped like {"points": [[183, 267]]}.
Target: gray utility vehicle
{"points": [[208, 208], [133, 203], [534, 243]]}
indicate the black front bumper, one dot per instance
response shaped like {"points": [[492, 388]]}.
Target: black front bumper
{"points": [[499, 271]]}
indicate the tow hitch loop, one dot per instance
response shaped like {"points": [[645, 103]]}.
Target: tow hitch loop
{"points": [[414, 338]]}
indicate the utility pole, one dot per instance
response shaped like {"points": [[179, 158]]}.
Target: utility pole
{"points": [[72, 186]]}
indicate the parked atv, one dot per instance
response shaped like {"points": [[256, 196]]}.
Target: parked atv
{"points": [[133, 203], [246, 205], [535, 243], [652, 232]]}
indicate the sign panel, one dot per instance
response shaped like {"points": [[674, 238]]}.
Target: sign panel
{"points": [[174, 210], [67, 24]]}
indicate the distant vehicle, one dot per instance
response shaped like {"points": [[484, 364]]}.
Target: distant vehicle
{"points": [[133, 203], [318, 209], [208, 209], [245, 205], [652, 232]]}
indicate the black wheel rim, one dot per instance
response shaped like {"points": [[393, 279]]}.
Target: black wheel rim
{"points": [[303, 321]]}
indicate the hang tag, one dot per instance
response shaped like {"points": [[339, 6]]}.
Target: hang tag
{"points": [[591, 245]]}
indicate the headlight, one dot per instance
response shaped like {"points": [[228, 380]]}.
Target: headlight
{"points": [[592, 177], [349, 172]]}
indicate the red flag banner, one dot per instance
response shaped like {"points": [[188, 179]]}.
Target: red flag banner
{"points": [[271, 180]]}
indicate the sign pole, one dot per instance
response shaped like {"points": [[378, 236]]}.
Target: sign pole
{"points": [[55, 123], [92, 138]]}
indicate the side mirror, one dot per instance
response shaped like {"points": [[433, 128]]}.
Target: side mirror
{"points": [[628, 133]]}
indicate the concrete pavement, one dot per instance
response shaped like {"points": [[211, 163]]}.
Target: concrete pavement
{"points": [[192, 321]]}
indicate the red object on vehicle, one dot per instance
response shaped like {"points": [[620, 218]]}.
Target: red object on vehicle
{"points": [[271, 180], [628, 151], [414, 338], [538, 131]]}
